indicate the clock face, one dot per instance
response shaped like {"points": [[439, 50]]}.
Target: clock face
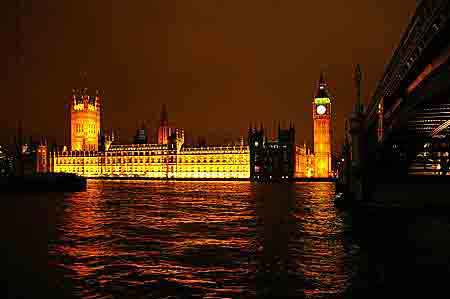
{"points": [[321, 109]]}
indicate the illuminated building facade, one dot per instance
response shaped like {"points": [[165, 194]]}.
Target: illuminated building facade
{"points": [[322, 119], [85, 120], [304, 162], [170, 158], [162, 161]]}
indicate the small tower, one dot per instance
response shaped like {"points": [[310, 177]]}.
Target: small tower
{"points": [[141, 135], [359, 107], [286, 150], [42, 157], [322, 130], [164, 131], [256, 142], [85, 120], [176, 139]]}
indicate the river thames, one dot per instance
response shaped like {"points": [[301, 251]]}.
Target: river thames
{"points": [[149, 239]]}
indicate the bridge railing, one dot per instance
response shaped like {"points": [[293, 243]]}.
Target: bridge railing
{"points": [[427, 23]]}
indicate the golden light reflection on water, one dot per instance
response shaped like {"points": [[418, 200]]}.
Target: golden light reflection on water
{"points": [[208, 239], [323, 257]]}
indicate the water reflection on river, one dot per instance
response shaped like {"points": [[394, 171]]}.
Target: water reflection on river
{"points": [[208, 239]]}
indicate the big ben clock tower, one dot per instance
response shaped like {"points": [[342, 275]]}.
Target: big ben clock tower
{"points": [[322, 131]]}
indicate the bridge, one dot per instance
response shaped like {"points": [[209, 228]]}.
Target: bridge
{"points": [[404, 132]]}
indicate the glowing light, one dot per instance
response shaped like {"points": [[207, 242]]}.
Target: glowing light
{"points": [[321, 109], [208, 162], [85, 125], [322, 101], [322, 139]]}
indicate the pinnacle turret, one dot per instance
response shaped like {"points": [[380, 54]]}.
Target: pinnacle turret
{"points": [[164, 119]]}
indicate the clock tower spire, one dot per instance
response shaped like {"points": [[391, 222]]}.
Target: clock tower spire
{"points": [[322, 130]]}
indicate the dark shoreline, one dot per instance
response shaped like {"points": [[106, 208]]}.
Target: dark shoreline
{"points": [[61, 182]]}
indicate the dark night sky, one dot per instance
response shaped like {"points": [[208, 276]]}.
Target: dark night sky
{"points": [[217, 64]]}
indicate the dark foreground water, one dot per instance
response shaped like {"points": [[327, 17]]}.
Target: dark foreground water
{"points": [[146, 239]]}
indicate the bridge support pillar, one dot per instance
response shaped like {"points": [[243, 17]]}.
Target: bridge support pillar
{"points": [[356, 166]]}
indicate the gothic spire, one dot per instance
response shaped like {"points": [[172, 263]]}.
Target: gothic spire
{"points": [[322, 91], [321, 79], [358, 78], [164, 119]]}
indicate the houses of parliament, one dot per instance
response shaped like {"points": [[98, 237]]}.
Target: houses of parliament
{"points": [[93, 154]]}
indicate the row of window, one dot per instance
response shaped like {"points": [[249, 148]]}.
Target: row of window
{"points": [[124, 154], [141, 170], [129, 160], [139, 153], [88, 128]]}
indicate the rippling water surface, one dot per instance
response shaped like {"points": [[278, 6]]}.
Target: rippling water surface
{"points": [[152, 239], [206, 239], [148, 239]]}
